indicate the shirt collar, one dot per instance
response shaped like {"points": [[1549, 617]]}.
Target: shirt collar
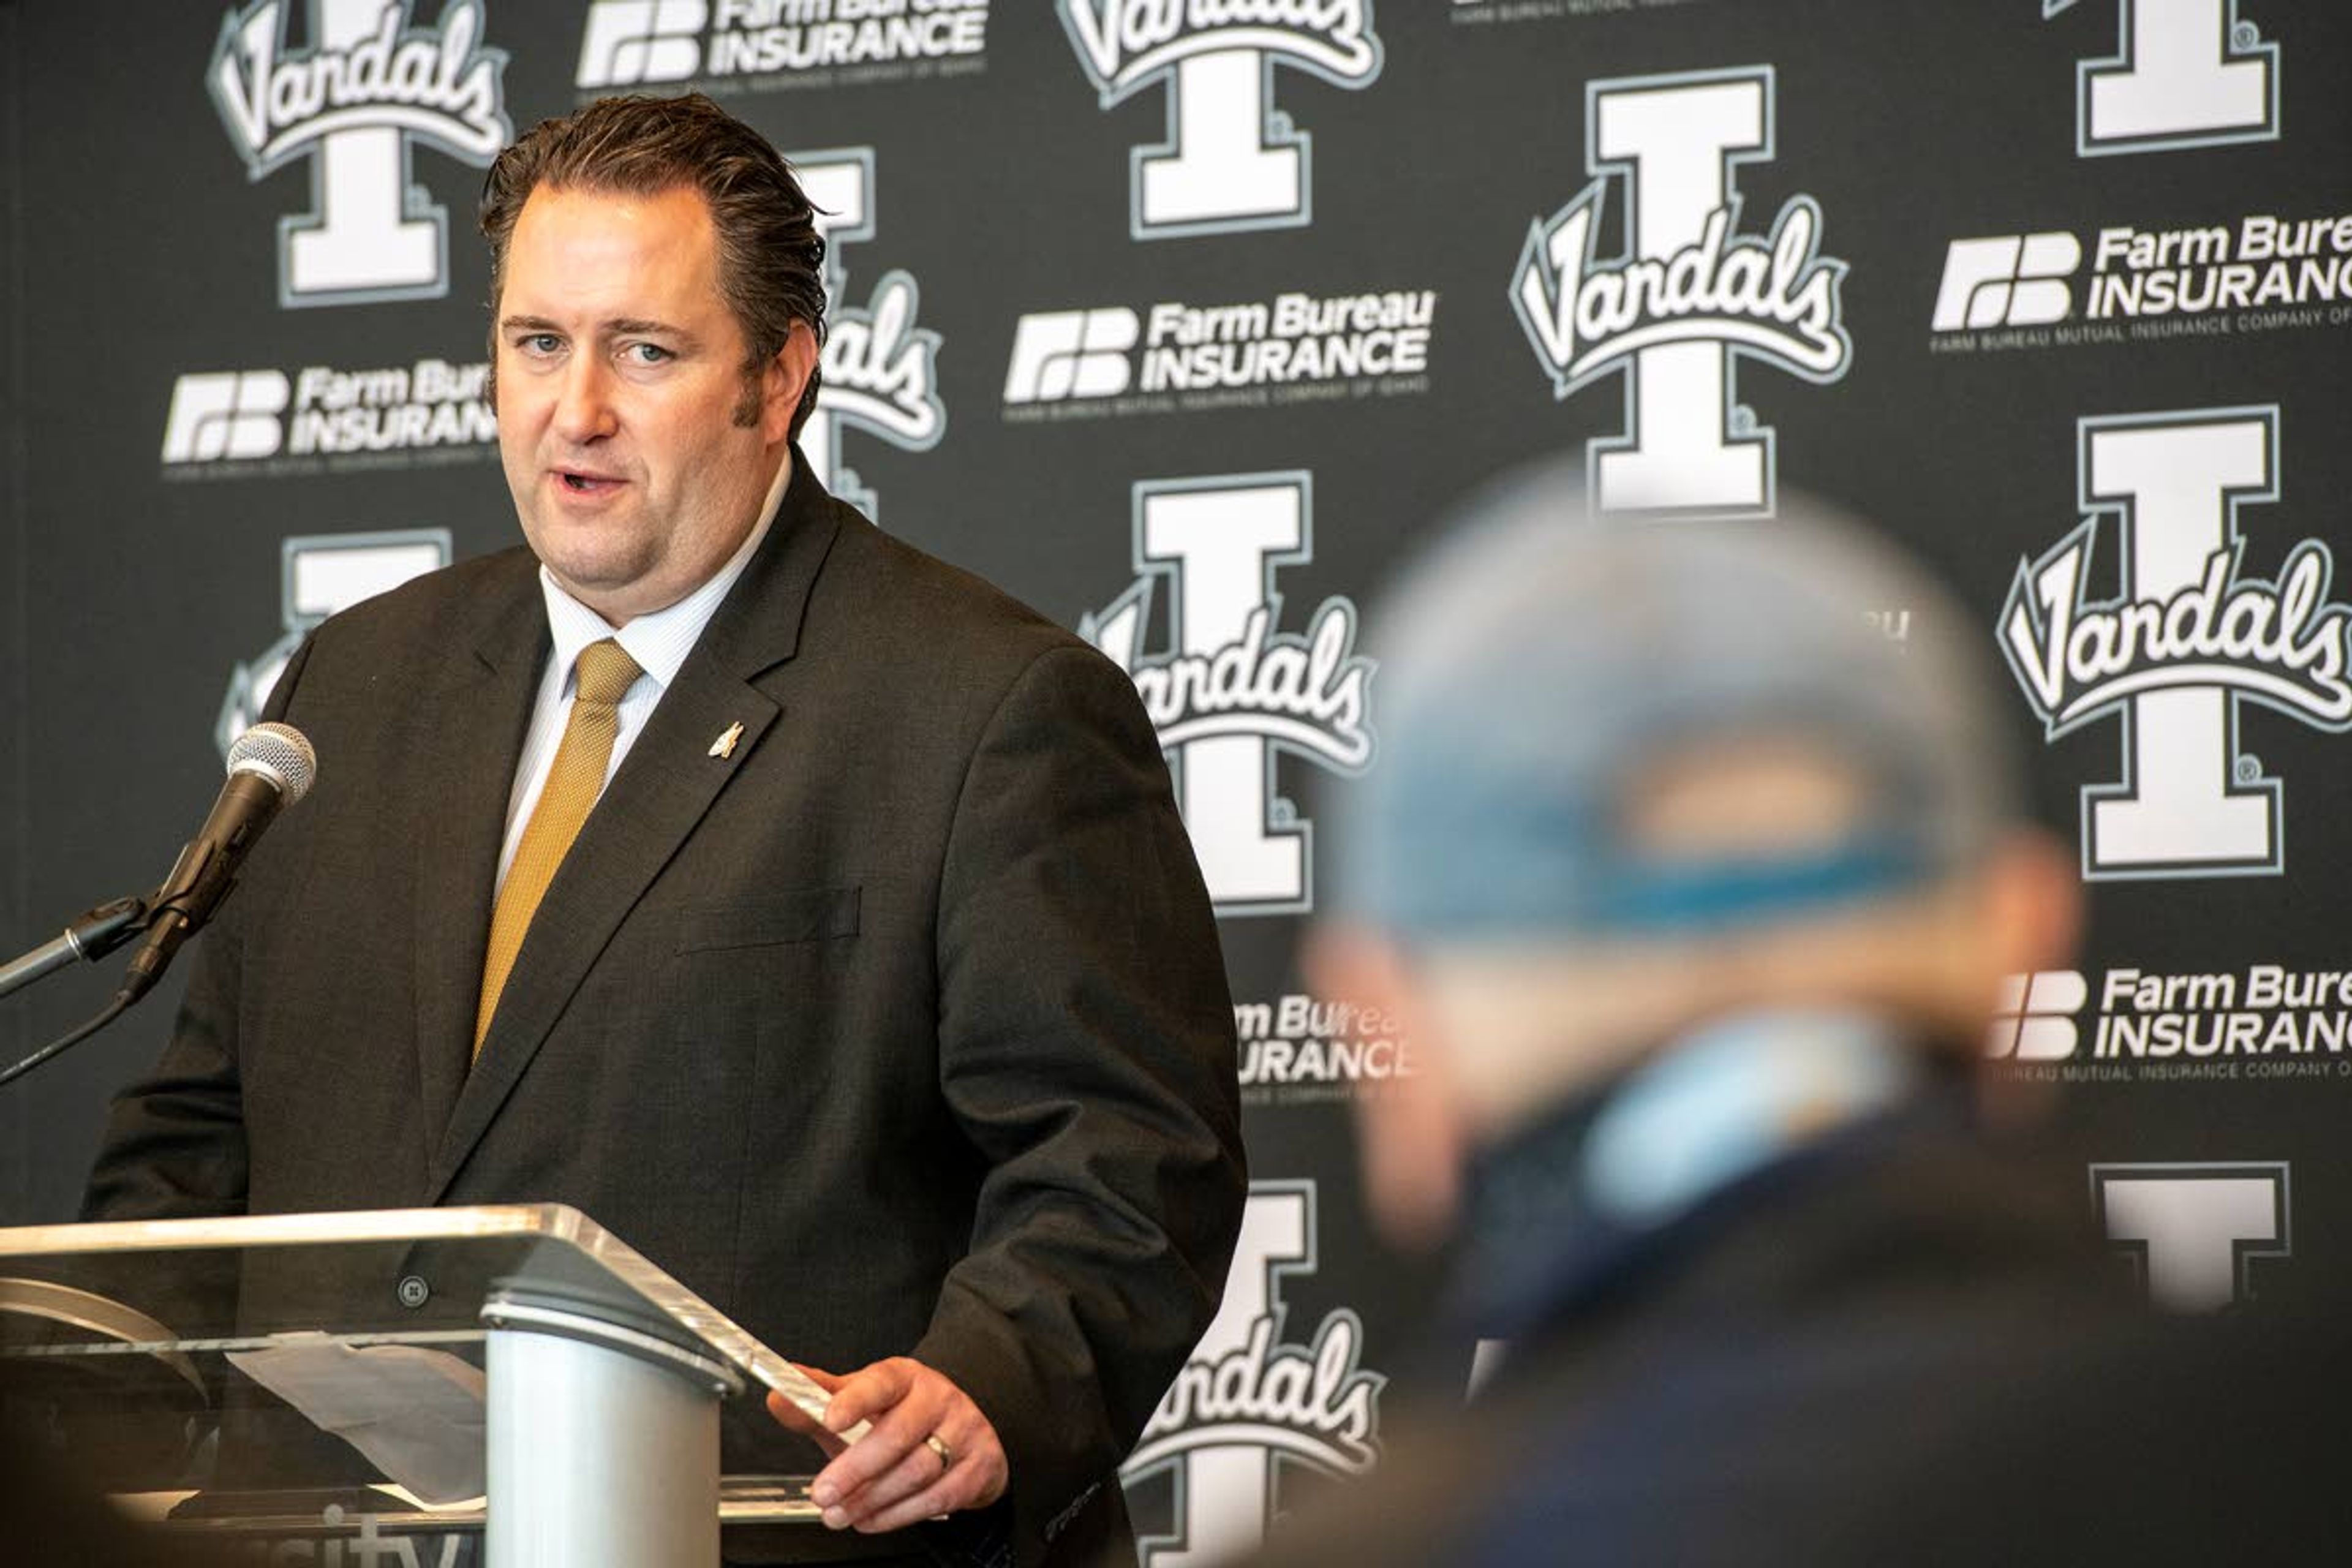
{"points": [[659, 641], [1612, 1177]]}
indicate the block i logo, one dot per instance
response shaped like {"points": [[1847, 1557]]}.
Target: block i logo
{"points": [[1232, 161], [1232, 693], [880, 369], [1688, 299], [2191, 637], [368, 89], [1253, 1401], [2185, 73], [2195, 1230], [321, 575]]}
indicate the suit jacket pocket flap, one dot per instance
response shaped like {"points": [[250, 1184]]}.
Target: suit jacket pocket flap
{"points": [[804, 914]]}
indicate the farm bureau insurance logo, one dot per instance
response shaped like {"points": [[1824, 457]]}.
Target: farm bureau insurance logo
{"points": [[881, 370], [2259, 1024], [1480, 13], [2007, 281], [239, 422], [1688, 299], [369, 88], [2035, 1020], [1293, 348], [1231, 161], [322, 574], [1300, 1049], [639, 43], [2262, 273], [2186, 73], [2192, 636], [1251, 1399], [1232, 692]]}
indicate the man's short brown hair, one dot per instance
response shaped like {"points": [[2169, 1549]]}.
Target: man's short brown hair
{"points": [[770, 255]]}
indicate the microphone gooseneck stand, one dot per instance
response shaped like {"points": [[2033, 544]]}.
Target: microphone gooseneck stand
{"points": [[89, 937], [270, 767]]}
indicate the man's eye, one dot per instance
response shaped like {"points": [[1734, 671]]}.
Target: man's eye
{"points": [[648, 353], [540, 343]]}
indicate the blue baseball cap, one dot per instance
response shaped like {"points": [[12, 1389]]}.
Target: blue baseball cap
{"points": [[1541, 654]]}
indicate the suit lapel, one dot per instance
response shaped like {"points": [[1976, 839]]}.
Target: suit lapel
{"points": [[664, 787], [466, 756]]}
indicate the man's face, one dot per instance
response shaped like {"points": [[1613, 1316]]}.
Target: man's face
{"points": [[619, 372]]}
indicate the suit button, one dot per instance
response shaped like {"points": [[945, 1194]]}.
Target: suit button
{"points": [[414, 1291]]}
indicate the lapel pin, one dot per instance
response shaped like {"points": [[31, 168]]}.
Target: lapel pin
{"points": [[725, 745]]}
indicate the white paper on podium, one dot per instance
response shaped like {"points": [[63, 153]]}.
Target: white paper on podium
{"points": [[417, 1414]]}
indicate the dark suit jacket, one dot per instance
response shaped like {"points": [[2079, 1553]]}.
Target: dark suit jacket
{"points": [[902, 1030], [1903, 1347]]}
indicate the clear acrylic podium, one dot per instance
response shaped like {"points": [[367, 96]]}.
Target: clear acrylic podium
{"points": [[595, 1380]]}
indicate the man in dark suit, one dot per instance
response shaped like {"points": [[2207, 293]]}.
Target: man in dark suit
{"points": [[877, 996]]}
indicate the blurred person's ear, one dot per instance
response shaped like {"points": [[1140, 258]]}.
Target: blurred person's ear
{"points": [[1409, 1136], [2032, 903], [2032, 907]]}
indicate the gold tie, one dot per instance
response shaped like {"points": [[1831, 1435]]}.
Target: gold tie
{"points": [[573, 782]]}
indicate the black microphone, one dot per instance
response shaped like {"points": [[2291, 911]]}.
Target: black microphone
{"points": [[270, 767]]}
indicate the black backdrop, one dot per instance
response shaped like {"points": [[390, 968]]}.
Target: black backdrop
{"points": [[1008, 390]]}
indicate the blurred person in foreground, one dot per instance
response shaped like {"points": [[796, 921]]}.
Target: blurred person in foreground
{"points": [[1695, 892]]}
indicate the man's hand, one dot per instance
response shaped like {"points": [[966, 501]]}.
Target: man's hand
{"points": [[891, 1478]]}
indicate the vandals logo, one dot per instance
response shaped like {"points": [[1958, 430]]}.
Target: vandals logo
{"points": [[1232, 692], [1251, 1399], [322, 574], [1231, 161], [369, 87], [881, 373], [2185, 73], [2192, 636], [1689, 296]]}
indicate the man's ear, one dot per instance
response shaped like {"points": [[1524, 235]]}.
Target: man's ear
{"points": [[782, 381], [2033, 903], [1410, 1140]]}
